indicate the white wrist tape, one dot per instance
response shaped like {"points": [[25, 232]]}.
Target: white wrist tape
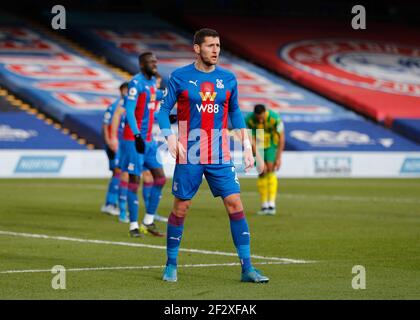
{"points": [[247, 144]]}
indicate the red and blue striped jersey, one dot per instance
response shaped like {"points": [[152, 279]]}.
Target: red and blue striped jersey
{"points": [[140, 104], [108, 115], [204, 103]]}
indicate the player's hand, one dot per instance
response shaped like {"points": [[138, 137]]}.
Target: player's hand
{"points": [[173, 118], [175, 147], [113, 144], [248, 159], [277, 164], [140, 146], [172, 145]]}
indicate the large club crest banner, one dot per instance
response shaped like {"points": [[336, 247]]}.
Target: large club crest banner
{"points": [[374, 71]]}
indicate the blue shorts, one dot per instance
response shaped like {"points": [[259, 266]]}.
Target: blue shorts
{"points": [[113, 158], [133, 162], [222, 180], [152, 159]]}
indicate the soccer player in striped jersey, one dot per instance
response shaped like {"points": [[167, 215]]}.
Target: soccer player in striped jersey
{"points": [[206, 96], [111, 202], [147, 176], [274, 141], [138, 149]]}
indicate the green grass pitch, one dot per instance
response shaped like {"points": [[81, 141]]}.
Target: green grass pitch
{"points": [[334, 224]]}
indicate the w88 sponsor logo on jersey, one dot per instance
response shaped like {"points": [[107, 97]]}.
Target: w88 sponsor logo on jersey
{"points": [[208, 107]]}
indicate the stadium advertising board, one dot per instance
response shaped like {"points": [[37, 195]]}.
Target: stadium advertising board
{"points": [[94, 164], [411, 166], [53, 164], [345, 135], [39, 164], [338, 166]]}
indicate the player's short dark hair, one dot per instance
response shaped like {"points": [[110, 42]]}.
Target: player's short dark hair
{"points": [[143, 55], [123, 85], [259, 108], [202, 33]]}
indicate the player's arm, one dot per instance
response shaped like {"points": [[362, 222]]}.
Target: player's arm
{"points": [[105, 125], [282, 142], [115, 123], [160, 94], [130, 101], [105, 130], [165, 121], [238, 122]]}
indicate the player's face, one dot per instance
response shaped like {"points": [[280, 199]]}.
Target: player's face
{"points": [[209, 50], [149, 65], [260, 117], [124, 92]]}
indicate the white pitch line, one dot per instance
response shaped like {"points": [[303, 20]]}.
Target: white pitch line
{"points": [[143, 267], [142, 245]]}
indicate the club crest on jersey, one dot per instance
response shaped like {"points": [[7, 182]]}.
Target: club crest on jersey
{"points": [[132, 93], [219, 84], [107, 115]]}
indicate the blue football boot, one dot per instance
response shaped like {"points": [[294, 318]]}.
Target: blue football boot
{"points": [[253, 275], [170, 273]]}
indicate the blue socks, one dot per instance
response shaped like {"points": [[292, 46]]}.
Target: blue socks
{"points": [[122, 200], [133, 201], [241, 238], [173, 238], [155, 195], [147, 187], [240, 235], [113, 188]]}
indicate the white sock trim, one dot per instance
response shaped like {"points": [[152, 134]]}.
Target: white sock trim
{"points": [[134, 225], [148, 218]]}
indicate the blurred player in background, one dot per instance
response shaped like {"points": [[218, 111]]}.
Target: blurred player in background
{"points": [[118, 121], [274, 141], [147, 175], [111, 201], [138, 149], [206, 95]]}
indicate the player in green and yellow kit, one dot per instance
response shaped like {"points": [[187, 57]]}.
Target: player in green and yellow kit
{"points": [[273, 143]]}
